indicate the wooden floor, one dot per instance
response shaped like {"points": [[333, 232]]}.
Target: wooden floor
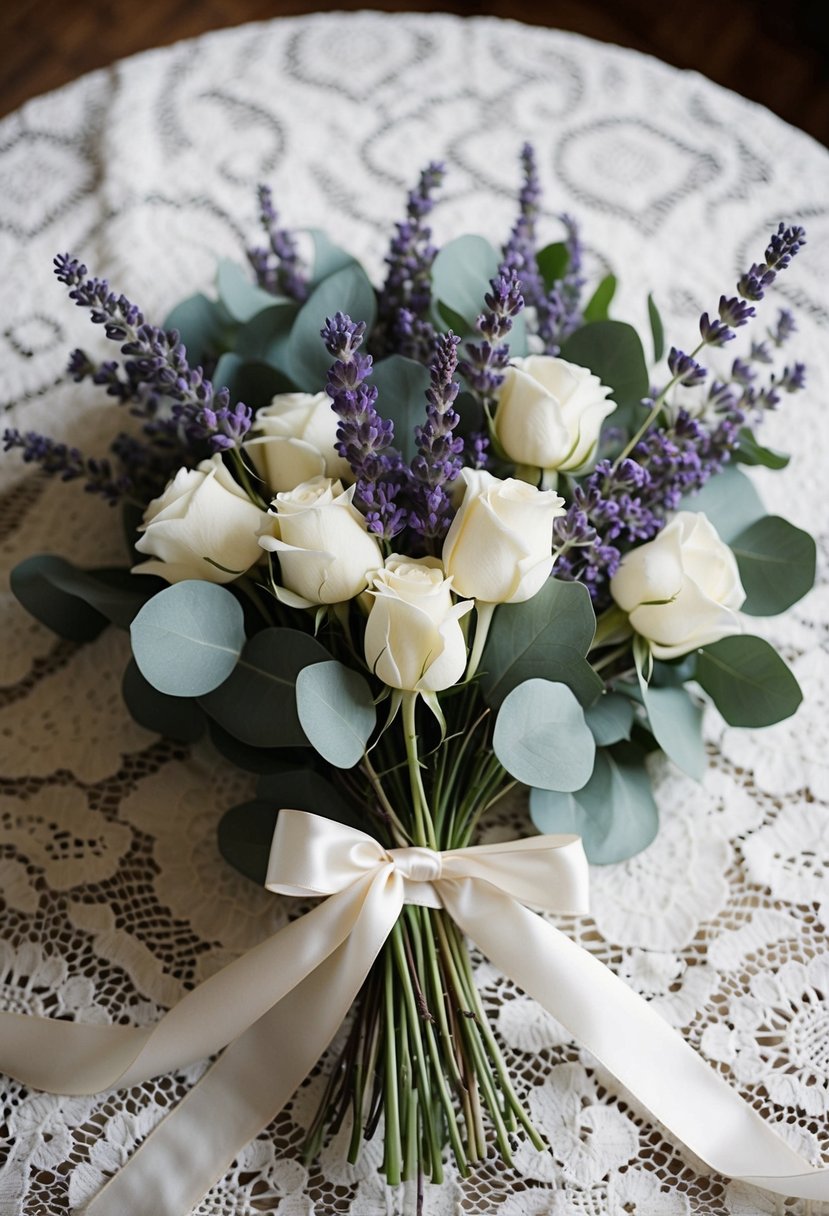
{"points": [[774, 53]]}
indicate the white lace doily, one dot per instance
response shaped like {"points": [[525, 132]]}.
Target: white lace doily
{"points": [[116, 897]]}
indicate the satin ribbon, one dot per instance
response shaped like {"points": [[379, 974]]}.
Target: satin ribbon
{"points": [[279, 1006]]}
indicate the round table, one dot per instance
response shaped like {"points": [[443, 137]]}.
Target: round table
{"points": [[116, 899]]}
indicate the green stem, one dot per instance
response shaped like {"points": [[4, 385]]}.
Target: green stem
{"points": [[654, 411], [424, 830], [244, 478], [401, 835], [484, 612], [611, 656], [392, 1151]]}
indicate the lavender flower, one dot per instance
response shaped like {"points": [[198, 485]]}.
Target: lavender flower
{"points": [[519, 253], [68, 463], [484, 364], [278, 268], [559, 314], [364, 439], [782, 247], [784, 328], [404, 301], [684, 368], [157, 362], [439, 456]]}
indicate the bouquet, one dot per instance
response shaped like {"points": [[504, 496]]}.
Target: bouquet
{"points": [[401, 550]]}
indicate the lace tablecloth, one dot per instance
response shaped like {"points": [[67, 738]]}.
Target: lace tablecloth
{"points": [[116, 897]]}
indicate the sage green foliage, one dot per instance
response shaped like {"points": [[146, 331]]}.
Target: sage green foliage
{"points": [[178, 718], [461, 273], [552, 261], [541, 737], [676, 724], [547, 636], [187, 639], [610, 718], [748, 681], [752, 452], [613, 352], [256, 703], [730, 502], [348, 290], [78, 604], [777, 564], [598, 306], [401, 384], [336, 708], [614, 813], [657, 330]]}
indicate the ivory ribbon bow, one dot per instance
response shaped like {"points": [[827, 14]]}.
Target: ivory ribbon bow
{"points": [[279, 1006]]}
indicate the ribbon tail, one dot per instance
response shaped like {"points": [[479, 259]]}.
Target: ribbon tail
{"points": [[649, 1058], [255, 1076]]}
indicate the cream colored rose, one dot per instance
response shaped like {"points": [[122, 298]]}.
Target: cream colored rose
{"points": [[414, 640], [499, 546], [550, 412], [203, 517], [295, 441], [325, 553], [682, 589]]}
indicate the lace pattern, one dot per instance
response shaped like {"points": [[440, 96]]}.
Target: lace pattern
{"points": [[116, 899]]}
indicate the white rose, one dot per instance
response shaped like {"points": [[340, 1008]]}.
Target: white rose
{"points": [[325, 553], [414, 640], [550, 412], [203, 517], [499, 546], [296, 437], [682, 589]]}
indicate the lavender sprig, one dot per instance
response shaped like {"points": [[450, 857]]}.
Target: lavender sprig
{"points": [[157, 361], [782, 247], [485, 362], [439, 457], [364, 439], [68, 463], [406, 295], [278, 268], [519, 253]]}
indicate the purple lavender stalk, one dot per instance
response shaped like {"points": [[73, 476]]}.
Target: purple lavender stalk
{"points": [[68, 463], [364, 439], [403, 304], [439, 457], [519, 253], [278, 268], [485, 362]]}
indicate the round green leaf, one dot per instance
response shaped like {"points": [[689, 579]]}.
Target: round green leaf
{"points": [[337, 713], [304, 789], [328, 257], [729, 500], [174, 717], [187, 639], [613, 351], [777, 565], [203, 326], [553, 261], [748, 681], [460, 276], [752, 452], [676, 724], [401, 385], [266, 335], [614, 813], [239, 294], [349, 291], [257, 702], [245, 834], [250, 380], [610, 718], [78, 604], [547, 636], [598, 306], [541, 737]]}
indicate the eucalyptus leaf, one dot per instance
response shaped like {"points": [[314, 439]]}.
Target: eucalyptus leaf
{"points": [[336, 709], [304, 789], [261, 760], [251, 381], [174, 717], [552, 262], [748, 681], [238, 293], [730, 502], [610, 718], [245, 834], [328, 257], [777, 565], [547, 636], [267, 335], [187, 639], [401, 385], [257, 701], [598, 306], [614, 813], [613, 351], [676, 724], [349, 291], [461, 275], [657, 330], [541, 737], [752, 452], [203, 325], [78, 604]]}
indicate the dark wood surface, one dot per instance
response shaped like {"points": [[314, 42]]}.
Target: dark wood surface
{"points": [[777, 54]]}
